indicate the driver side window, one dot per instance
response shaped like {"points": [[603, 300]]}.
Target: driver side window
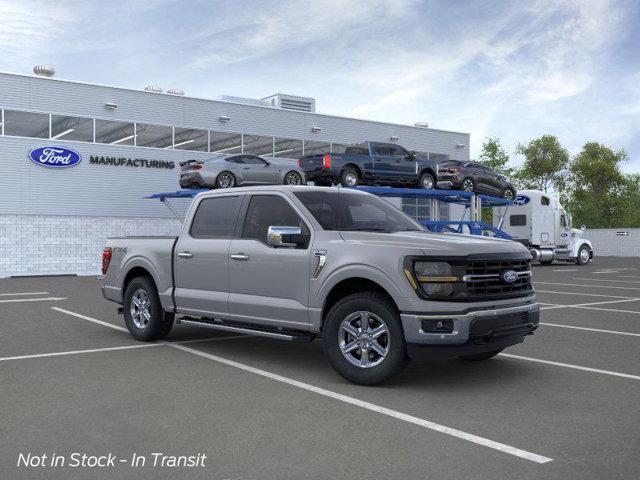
{"points": [[266, 211]]}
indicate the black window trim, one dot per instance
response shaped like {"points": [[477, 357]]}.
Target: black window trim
{"points": [[197, 207]]}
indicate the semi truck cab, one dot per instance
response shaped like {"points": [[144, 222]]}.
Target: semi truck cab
{"points": [[538, 221]]}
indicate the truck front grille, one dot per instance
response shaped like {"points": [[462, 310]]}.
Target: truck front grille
{"points": [[483, 277]]}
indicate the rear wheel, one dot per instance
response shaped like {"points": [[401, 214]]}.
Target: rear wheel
{"points": [[479, 357], [293, 178], [427, 181], [584, 255], [225, 180], [468, 185], [143, 313], [349, 178], [363, 339]]}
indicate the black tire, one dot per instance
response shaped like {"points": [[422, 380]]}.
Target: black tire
{"points": [[225, 180], [395, 358], [289, 178], [479, 357], [348, 177], [509, 194], [158, 324], [427, 178], [579, 258], [468, 185]]}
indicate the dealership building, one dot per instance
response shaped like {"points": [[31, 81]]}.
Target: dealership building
{"points": [[128, 144]]}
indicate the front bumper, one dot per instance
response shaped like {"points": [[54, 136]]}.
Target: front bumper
{"points": [[474, 331]]}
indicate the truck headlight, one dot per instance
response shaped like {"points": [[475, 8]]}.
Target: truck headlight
{"points": [[435, 278]]}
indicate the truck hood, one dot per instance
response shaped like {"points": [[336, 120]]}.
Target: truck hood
{"points": [[455, 245]]}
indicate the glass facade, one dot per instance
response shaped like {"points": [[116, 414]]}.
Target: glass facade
{"points": [[420, 208]]}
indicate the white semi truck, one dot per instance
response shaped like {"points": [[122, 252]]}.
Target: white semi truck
{"points": [[538, 221]]}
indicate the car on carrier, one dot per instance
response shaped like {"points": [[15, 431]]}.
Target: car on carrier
{"points": [[227, 171], [296, 263], [371, 163], [474, 177]]}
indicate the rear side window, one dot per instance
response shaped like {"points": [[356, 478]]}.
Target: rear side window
{"points": [[381, 149], [215, 218], [517, 220], [266, 211], [360, 149]]}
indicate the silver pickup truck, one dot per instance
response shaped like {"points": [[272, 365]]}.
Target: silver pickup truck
{"points": [[299, 262]]}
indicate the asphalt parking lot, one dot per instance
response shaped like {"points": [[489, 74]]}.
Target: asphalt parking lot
{"points": [[562, 405]]}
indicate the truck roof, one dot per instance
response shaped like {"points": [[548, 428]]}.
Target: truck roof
{"points": [[279, 188]]}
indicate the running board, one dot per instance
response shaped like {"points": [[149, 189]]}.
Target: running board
{"points": [[249, 330]]}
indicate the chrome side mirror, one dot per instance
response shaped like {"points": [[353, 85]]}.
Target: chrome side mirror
{"points": [[583, 227], [288, 237]]}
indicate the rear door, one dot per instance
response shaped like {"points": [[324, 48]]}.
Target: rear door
{"points": [[202, 257], [269, 285], [382, 162]]}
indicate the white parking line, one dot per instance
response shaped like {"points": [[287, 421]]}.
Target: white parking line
{"points": [[612, 310], [605, 280], [578, 293], [591, 286], [22, 293], [568, 365], [565, 270], [628, 276], [372, 407], [46, 299], [89, 319], [76, 352], [590, 329]]}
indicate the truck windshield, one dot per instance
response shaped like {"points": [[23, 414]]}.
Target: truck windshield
{"points": [[347, 211]]}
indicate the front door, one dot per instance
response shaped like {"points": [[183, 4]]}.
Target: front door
{"points": [[269, 285], [202, 257], [258, 171]]}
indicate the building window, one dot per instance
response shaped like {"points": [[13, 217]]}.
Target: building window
{"points": [[72, 128], [190, 139], [420, 209], [312, 147], [114, 133], [287, 148], [157, 136], [258, 145], [26, 124], [224, 142]]}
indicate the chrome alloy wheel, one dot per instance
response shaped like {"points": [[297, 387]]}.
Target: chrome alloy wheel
{"points": [[508, 194], [467, 185], [584, 255], [351, 179], [364, 339], [226, 180], [427, 182], [140, 308], [293, 178]]}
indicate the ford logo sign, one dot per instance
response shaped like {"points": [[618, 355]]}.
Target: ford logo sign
{"points": [[521, 200], [509, 276], [55, 157]]}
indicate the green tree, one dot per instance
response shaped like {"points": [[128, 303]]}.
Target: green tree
{"points": [[599, 192], [545, 165], [495, 157], [631, 202]]}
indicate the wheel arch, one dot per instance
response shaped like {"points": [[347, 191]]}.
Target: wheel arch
{"points": [[138, 270], [355, 167]]}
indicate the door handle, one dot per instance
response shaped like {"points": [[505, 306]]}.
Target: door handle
{"points": [[185, 254], [246, 168], [239, 256]]}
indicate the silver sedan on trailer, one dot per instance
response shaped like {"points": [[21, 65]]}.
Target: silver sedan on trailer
{"points": [[226, 171]]}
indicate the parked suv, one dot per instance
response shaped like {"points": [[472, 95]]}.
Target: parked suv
{"points": [[298, 262], [474, 177], [371, 163]]}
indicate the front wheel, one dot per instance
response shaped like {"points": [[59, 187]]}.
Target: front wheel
{"points": [[468, 185], [427, 181], [508, 194], [143, 313], [363, 339], [584, 256], [479, 357], [293, 178]]}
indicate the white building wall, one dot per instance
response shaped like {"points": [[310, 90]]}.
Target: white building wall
{"points": [[58, 245], [612, 242]]}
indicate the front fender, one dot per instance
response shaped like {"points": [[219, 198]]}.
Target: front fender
{"points": [[579, 243]]}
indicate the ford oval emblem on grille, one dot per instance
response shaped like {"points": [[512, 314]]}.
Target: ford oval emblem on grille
{"points": [[56, 157], [509, 276]]}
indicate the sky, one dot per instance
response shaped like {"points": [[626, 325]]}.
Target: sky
{"points": [[514, 70]]}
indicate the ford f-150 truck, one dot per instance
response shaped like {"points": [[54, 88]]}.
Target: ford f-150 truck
{"points": [[371, 163], [296, 262]]}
